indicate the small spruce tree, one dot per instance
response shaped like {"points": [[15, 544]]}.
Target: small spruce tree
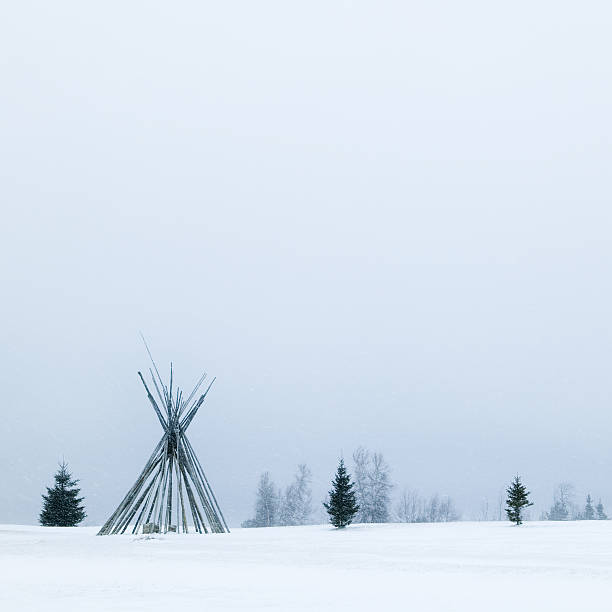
{"points": [[518, 499], [589, 511], [601, 515], [342, 506], [61, 506]]}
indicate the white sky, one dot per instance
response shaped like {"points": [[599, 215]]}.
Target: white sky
{"points": [[376, 223]]}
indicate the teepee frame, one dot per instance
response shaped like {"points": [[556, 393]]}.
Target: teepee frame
{"points": [[172, 492]]}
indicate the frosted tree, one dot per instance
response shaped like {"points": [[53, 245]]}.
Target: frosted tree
{"points": [[296, 503], [286, 507], [410, 507], [446, 510], [517, 500], [483, 513], [589, 511], [557, 512], [266, 504], [380, 483], [432, 508], [601, 515], [439, 510], [414, 509], [372, 486], [361, 459], [501, 501], [62, 506], [566, 495], [563, 508]]}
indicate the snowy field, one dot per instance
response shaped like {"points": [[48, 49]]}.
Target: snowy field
{"points": [[455, 566]]}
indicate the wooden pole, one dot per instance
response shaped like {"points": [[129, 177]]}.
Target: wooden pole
{"points": [[164, 424], [187, 419], [212, 494], [157, 489]]}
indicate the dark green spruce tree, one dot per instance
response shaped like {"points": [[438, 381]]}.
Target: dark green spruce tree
{"points": [[518, 499], [342, 506], [61, 505]]}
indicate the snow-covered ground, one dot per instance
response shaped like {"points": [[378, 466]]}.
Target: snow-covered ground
{"points": [[451, 567]]}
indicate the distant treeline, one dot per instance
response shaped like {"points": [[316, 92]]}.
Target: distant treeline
{"points": [[373, 488], [293, 505], [565, 508]]}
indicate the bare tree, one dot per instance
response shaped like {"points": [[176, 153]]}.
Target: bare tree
{"points": [[446, 510], [414, 509], [483, 514], [296, 503], [431, 509], [380, 483], [563, 508], [410, 507], [565, 494], [266, 504], [372, 486], [501, 502], [361, 459], [303, 493]]}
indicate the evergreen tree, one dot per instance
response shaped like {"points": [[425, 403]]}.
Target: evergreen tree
{"points": [[518, 498], [61, 506], [589, 511], [601, 515], [342, 506]]}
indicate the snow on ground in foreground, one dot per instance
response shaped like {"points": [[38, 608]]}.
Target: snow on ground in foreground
{"points": [[451, 567]]}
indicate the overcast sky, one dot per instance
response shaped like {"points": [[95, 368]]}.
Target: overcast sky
{"points": [[376, 223]]}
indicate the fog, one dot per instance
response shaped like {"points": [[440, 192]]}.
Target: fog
{"points": [[380, 224]]}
